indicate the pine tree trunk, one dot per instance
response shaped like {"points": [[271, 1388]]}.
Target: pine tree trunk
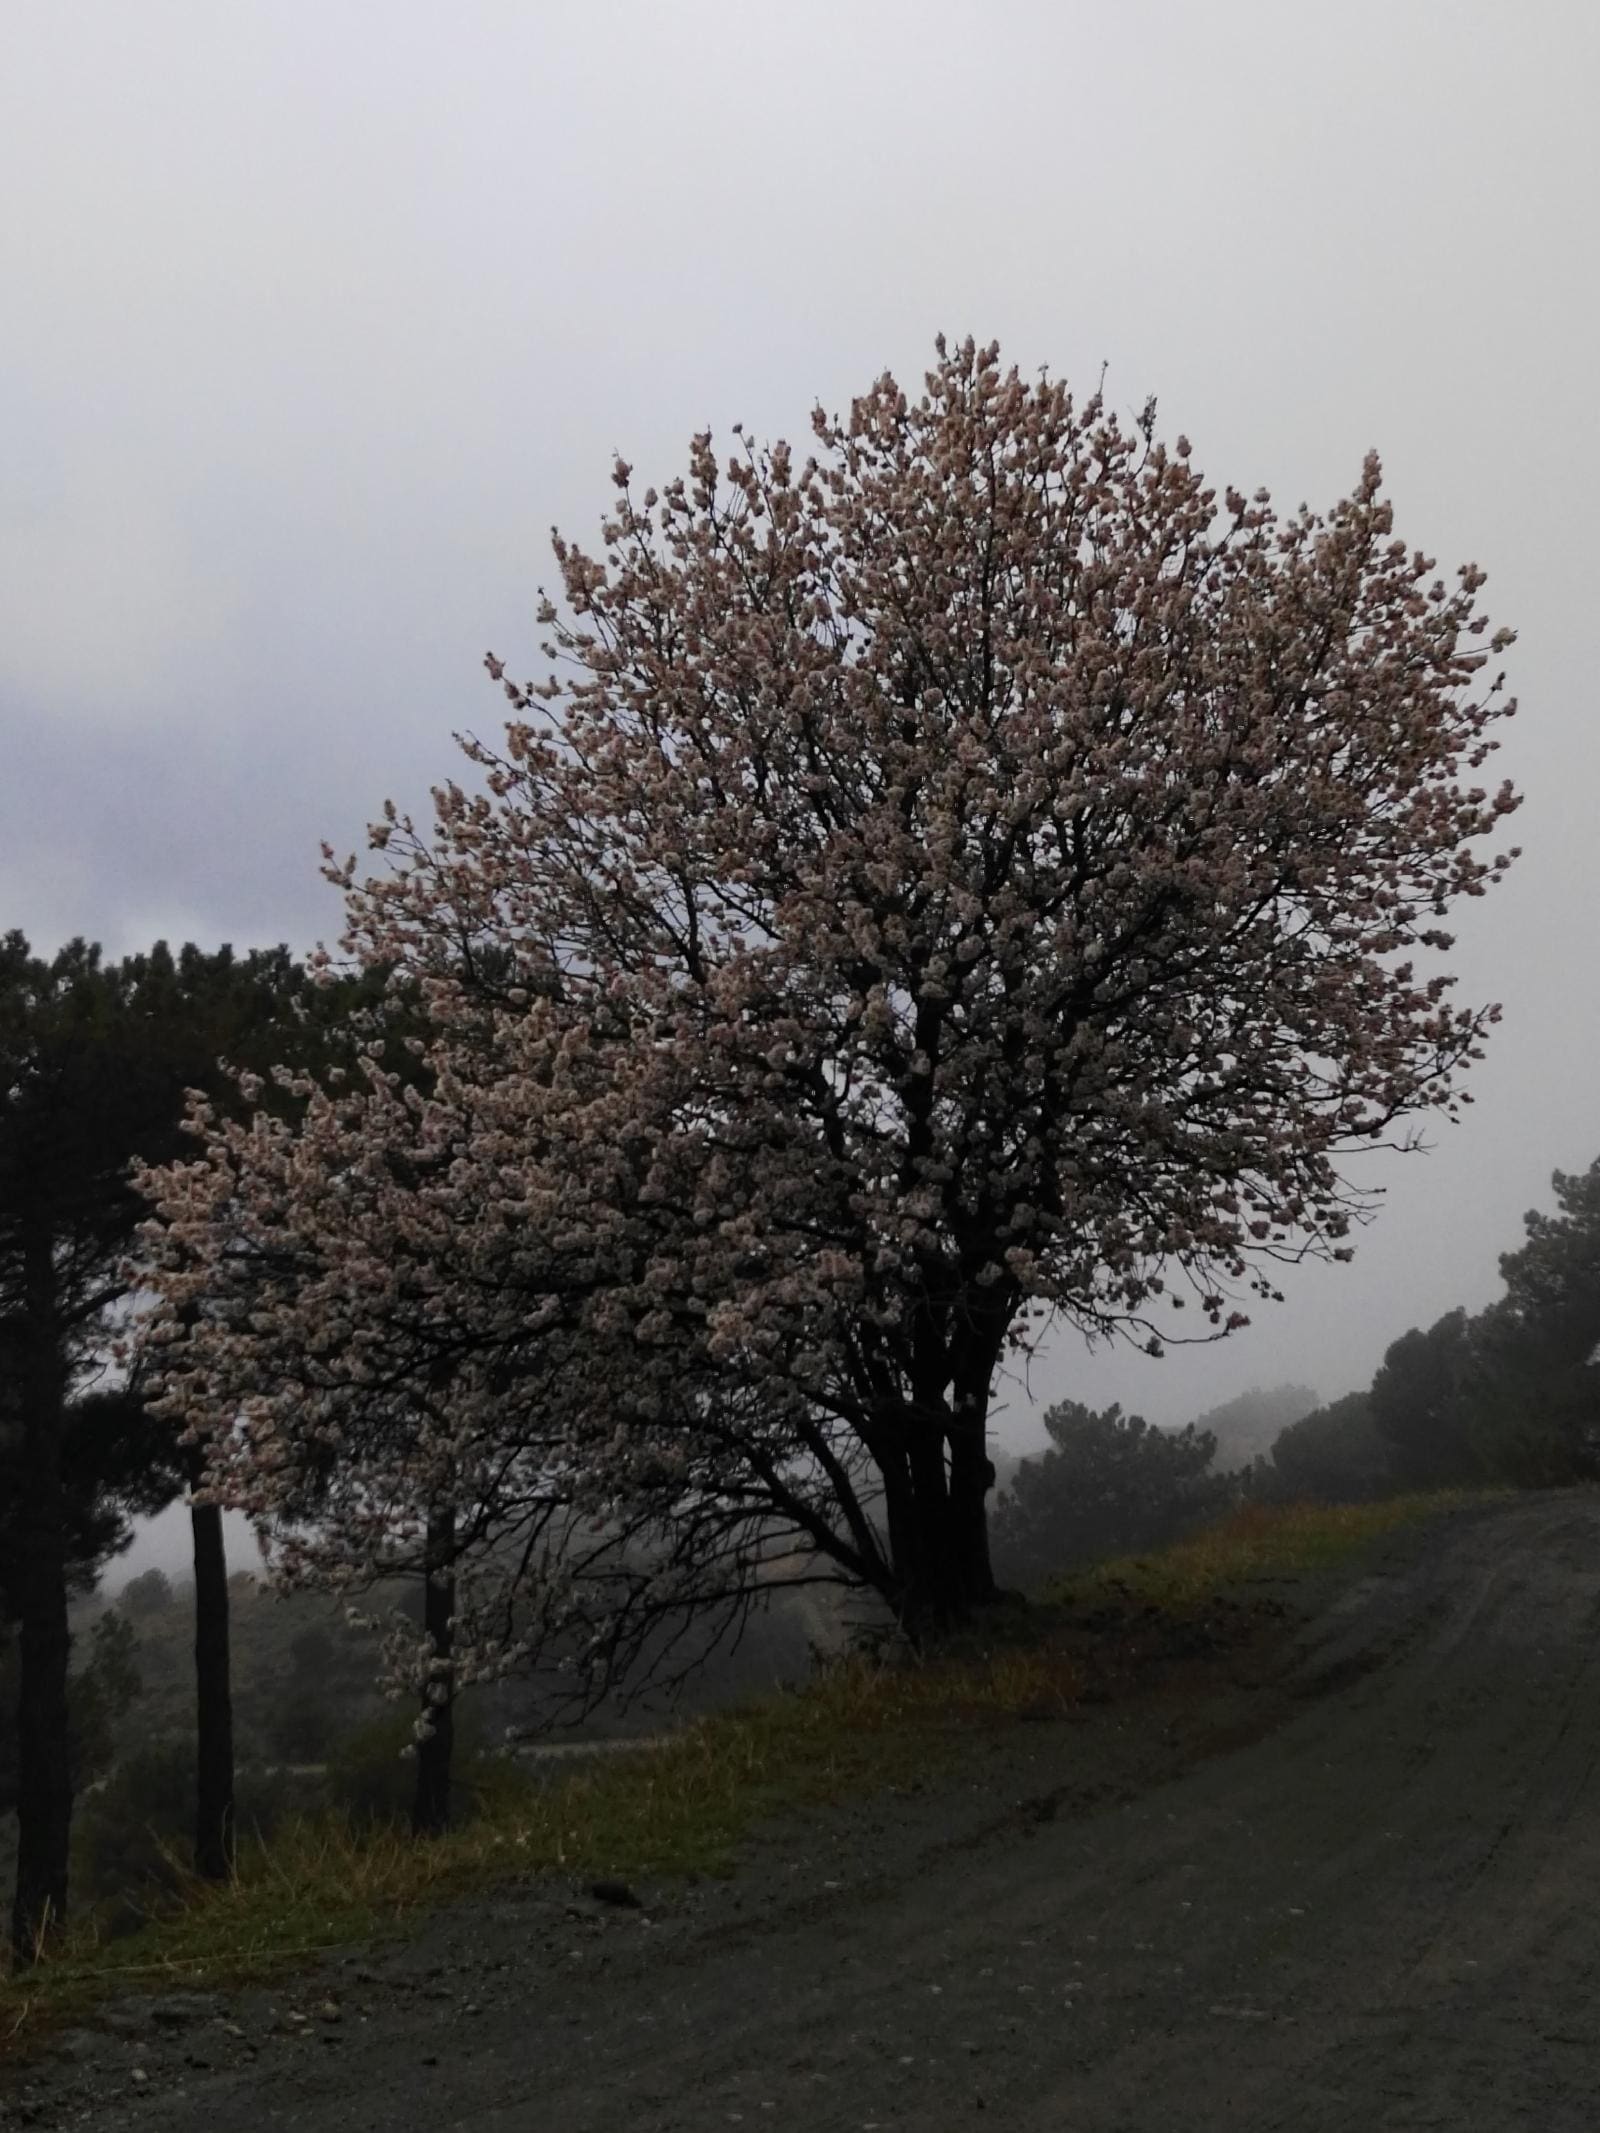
{"points": [[430, 1806], [214, 1808], [44, 1757]]}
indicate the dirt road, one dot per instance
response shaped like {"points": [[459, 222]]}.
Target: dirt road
{"points": [[1374, 1905]]}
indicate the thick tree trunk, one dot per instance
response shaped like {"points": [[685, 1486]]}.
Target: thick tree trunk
{"points": [[967, 1522], [214, 1809], [929, 1604], [430, 1806], [900, 1520], [39, 1578], [971, 1479], [937, 1499]]}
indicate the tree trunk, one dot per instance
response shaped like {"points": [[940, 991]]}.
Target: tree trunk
{"points": [[938, 1510], [44, 1755], [900, 1520], [967, 1521], [929, 1600], [971, 1479], [430, 1806], [214, 1809]]}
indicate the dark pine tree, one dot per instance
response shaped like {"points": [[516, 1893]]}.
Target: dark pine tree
{"points": [[94, 1062]]}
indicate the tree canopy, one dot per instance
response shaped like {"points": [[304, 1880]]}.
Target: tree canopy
{"points": [[970, 873], [1539, 1344]]}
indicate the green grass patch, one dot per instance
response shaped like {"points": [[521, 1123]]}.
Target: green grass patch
{"points": [[683, 1807], [1257, 1542]]}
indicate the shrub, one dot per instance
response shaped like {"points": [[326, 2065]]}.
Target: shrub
{"points": [[134, 1835], [370, 1777], [303, 1727]]}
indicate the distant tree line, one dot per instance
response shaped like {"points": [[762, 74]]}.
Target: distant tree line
{"points": [[1508, 1395]]}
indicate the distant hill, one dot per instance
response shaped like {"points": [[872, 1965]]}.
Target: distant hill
{"points": [[1246, 1427]]}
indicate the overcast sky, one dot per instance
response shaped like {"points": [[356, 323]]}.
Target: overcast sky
{"points": [[318, 315]]}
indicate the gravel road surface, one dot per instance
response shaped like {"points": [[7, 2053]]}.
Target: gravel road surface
{"points": [[1360, 1890]]}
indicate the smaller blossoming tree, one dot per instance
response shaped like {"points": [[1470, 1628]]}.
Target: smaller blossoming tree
{"points": [[398, 1358]]}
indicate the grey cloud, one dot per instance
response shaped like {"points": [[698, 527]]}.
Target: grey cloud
{"points": [[316, 323]]}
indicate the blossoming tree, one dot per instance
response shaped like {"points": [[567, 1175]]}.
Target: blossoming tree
{"points": [[384, 1345], [969, 875]]}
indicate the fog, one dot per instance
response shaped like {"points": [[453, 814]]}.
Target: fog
{"points": [[318, 318]]}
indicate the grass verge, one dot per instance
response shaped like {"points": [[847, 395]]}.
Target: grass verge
{"points": [[684, 1807], [1259, 1541]]}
